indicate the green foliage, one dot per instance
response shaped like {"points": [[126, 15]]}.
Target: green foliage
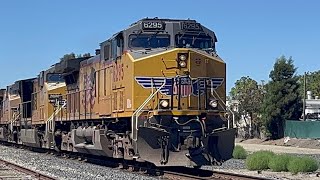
{"points": [[302, 164], [68, 56], [249, 95], [259, 160], [262, 160], [279, 163], [86, 55], [282, 100], [312, 83], [239, 152], [73, 56]]}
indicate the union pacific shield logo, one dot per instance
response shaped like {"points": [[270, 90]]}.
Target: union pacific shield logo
{"points": [[169, 86], [185, 86]]}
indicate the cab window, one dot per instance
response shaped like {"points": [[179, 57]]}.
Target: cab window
{"points": [[194, 41], [51, 78], [149, 40]]}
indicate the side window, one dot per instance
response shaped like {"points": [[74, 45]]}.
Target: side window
{"points": [[34, 101], [120, 45], [117, 46], [106, 52], [41, 79], [114, 48]]}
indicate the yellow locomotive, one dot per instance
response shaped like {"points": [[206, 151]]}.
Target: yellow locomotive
{"points": [[153, 92]]}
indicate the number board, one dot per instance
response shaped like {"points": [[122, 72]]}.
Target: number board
{"points": [[153, 25], [53, 98], [191, 26], [184, 80]]}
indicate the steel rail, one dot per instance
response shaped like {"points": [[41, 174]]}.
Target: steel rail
{"points": [[227, 175], [193, 173], [166, 172], [27, 171]]}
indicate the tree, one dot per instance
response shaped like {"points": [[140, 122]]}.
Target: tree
{"points": [[249, 95], [73, 56], [68, 56], [281, 101], [312, 83], [86, 55]]}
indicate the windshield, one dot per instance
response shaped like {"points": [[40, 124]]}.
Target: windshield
{"points": [[149, 40], [54, 78], [193, 41]]}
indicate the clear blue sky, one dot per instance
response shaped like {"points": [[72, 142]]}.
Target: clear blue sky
{"points": [[251, 34]]}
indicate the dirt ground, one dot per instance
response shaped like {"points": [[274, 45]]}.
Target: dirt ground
{"points": [[290, 142], [285, 145], [278, 149]]}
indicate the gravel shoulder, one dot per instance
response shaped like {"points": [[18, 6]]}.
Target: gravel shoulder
{"points": [[238, 166], [63, 168]]}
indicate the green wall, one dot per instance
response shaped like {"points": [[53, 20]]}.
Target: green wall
{"points": [[302, 129]]}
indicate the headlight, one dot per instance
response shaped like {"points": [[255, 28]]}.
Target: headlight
{"points": [[182, 57], [164, 103], [182, 64], [213, 103]]}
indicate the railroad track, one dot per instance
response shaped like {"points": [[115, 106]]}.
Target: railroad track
{"points": [[233, 176], [163, 173], [9, 170], [192, 173]]}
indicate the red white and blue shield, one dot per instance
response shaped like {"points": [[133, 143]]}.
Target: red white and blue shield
{"points": [[185, 86]]}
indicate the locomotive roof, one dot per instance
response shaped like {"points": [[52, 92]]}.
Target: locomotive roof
{"points": [[29, 79], [69, 65], [163, 19], [137, 26], [90, 60], [145, 19]]}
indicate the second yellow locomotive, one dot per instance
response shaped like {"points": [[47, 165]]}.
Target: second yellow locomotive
{"points": [[153, 92]]}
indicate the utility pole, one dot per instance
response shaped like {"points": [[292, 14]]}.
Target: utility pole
{"points": [[304, 96]]}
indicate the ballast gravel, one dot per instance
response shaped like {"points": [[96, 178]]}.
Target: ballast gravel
{"points": [[238, 166], [61, 168]]}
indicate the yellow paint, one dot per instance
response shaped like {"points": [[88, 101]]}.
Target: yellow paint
{"points": [[117, 94]]}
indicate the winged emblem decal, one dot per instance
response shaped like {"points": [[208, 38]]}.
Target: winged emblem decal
{"points": [[189, 86]]}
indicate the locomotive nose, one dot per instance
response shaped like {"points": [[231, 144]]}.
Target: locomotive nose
{"points": [[198, 65]]}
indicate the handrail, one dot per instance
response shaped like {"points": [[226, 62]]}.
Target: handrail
{"points": [[49, 122], [11, 121], [57, 111], [17, 116], [138, 111], [227, 108]]}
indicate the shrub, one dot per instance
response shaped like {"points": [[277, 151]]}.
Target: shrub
{"points": [[279, 163], [259, 160], [239, 152], [302, 164]]}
